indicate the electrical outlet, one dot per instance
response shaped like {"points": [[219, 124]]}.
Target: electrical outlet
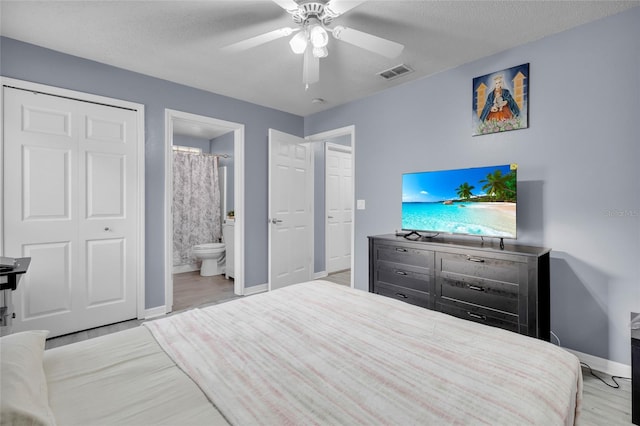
{"points": [[360, 204]]}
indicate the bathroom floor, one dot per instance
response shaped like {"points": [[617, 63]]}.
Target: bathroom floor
{"points": [[190, 290]]}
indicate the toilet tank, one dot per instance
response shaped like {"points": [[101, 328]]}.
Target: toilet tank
{"points": [[229, 240]]}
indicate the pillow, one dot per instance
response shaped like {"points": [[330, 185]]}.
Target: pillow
{"points": [[23, 384]]}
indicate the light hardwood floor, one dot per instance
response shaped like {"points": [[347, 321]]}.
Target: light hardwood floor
{"points": [[601, 404], [190, 290]]}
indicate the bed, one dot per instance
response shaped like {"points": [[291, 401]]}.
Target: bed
{"points": [[311, 353]]}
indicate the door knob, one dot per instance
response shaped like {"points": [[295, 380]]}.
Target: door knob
{"points": [[106, 228], [274, 221]]}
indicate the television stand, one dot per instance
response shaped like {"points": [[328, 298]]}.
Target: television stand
{"points": [[502, 286]]}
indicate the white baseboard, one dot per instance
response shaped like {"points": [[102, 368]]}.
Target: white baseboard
{"points": [[606, 366], [321, 274], [155, 312], [254, 289], [186, 268]]}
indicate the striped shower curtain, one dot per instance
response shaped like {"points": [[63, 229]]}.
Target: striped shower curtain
{"points": [[196, 204]]}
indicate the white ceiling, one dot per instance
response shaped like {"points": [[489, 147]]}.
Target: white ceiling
{"points": [[181, 41]]}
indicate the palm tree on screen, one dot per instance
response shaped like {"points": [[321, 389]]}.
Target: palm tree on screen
{"points": [[464, 190], [499, 186]]}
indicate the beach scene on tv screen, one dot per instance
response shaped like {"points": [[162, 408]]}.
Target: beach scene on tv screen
{"points": [[476, 201]]}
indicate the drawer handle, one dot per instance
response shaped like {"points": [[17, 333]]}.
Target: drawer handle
{"points": [[475, 287], [404, 296], [475, 259], [401, 273], [401, 250], [477, 316]]}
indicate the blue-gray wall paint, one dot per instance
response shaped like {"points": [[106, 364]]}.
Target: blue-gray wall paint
{"points": [[36, 64], [579, 173]]}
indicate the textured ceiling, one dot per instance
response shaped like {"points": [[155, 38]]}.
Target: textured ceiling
{"points": [[181, 41]]}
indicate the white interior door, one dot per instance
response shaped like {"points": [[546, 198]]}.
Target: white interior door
{"points": [[339, 206], [290, 210], [70, 203]]}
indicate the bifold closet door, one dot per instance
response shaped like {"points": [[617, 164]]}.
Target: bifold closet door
{"points": [[70, 205]]}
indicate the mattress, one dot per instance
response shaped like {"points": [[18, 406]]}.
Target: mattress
{"points": [[123, 378]]}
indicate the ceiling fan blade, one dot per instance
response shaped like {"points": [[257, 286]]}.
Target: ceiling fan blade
{"points": [[338, 7], [310, 68], [375, 44], [260, 39], [287, 5]]}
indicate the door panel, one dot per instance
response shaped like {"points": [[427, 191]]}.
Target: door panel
{"points": [[71, 205], [46, 183], [106, 280], [105, 185], [47, 286]]}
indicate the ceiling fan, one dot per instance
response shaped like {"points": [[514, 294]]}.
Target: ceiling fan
{"points": [[311, 35]]}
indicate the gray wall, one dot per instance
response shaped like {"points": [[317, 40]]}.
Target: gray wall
{"points": [[578, 173], [32, 63]]}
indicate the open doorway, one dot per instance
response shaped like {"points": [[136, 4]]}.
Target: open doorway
{"points": [[309, 263], [334, 236], [220, 145]]}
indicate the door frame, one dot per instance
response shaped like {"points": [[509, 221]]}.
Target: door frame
{"points": [[322, 137], [140, 188], [330, 146], [238, 176]]}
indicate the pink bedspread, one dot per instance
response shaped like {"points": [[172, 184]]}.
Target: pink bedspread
{"points": [[320, 353]]}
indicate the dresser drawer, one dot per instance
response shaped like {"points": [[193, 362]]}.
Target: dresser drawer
{"points": [[405, 294], [407, 276], [478, 314], [405, 255], [496, 295], [480, 267]]}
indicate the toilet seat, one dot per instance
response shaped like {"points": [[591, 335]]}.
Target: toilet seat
{"points": [[209, 246]]}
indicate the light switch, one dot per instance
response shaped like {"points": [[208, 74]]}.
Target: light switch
{"points": [[360, 204]]}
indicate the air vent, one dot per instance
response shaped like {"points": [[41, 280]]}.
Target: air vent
{"points": [[395, 72]]}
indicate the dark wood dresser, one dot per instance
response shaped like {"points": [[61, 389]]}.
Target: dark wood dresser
{"points": [[506, 288]]}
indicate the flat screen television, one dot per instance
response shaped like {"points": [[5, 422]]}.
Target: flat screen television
{"points": [[478, 201]]}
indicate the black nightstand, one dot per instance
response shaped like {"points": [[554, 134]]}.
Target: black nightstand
{"points": [[9, 282]]}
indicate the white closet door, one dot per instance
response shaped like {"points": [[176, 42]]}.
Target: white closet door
{"points": [[70, 205]]}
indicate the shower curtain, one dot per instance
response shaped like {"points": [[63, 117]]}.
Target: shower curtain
{"points": [[196, 204]]}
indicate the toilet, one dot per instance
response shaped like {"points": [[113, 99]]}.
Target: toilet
{"points": [[212, 256]]}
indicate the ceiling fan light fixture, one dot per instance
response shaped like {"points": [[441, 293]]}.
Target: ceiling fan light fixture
{"points": [[336, 31], [318, 36], [298, 43], [320, 52]]}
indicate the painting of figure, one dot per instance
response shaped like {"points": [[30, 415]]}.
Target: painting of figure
{"points": [[500, 101]]}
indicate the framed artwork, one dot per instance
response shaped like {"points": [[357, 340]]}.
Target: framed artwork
{"points": [[501, 101]]}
